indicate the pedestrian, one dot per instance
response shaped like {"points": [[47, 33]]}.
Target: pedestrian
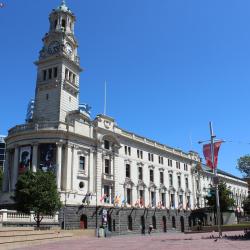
{"points": [[150, 228]]}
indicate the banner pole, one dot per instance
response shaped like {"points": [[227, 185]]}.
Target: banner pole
{"points": [[216, 181]]}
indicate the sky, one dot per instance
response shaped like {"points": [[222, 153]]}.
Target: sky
{"points": [[170, 66]]}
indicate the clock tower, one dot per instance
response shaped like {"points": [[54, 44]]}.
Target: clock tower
{"points": [[58, 68]]}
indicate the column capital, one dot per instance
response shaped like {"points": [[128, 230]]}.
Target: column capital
{"points": [[59, 144], [35, 143]]}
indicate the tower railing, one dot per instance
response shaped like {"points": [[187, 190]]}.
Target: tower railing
{"points": [[37, 126]]}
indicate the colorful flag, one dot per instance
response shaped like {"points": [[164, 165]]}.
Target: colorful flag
{"points": [[208, 155]]}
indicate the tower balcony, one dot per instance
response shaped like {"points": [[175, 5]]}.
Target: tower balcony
{"points": [[28, 127]]}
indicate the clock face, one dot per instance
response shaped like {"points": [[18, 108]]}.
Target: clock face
{"points": [[54, 47], [69, 49]]}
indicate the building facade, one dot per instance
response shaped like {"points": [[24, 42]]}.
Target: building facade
{"points": [[98, 164], [2, 151]]}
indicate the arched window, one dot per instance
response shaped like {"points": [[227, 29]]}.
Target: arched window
{"points": [[130, 223], [154, 222], [173, 222], [63, 23], [55, 24]]}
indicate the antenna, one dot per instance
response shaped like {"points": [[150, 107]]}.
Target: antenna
{"points": [[105, 97]]}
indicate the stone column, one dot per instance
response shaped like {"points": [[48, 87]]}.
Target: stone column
{"points": [[116, 175], [34, 157], [68, 167], [15, 169], [98, 178], [91, 171], [59, 165], [6, 173], [73, 170]]}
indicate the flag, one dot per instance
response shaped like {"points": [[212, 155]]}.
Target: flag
{"points": [[102, 197], [208, 155]]}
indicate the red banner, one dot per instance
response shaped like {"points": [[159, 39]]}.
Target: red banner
{"points": [[208, 156]]}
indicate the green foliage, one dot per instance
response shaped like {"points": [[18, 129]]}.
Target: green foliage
{"points": [[226, 202], [243, 164], [37, 192], [246, 205]]}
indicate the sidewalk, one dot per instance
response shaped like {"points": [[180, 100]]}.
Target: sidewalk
{"points": [[170, 241]]}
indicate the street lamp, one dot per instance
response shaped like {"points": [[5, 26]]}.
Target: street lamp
{"points": [[215, 179]]}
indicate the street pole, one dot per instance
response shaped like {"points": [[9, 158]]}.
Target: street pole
{"points": [[64, 212], [216, 182]]}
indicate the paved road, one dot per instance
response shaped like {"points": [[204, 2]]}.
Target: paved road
{"points": [[169, 241]]}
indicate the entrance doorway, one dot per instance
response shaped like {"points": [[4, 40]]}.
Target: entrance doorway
{"points": [[182, 224], [164, 224], [83, 221], [142, 224]]}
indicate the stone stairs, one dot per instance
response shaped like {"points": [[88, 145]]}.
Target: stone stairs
{"points": [[12, 238]]}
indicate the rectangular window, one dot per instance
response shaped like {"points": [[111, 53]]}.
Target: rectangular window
{"points": [[161, 178], [44, 75], [138, 153], [170, 163], [151, 175], [170, 180], [141, 153], [55, 72], [128, 171], [140, 176], [178, 165], [188, 201], [153, 200], [180, 200], [70, 76], [106, 144], [150, 157], [74, 78], [179, 181], [50, 73], [126, 150], [172, 202], [129, 150], [185, 167], [106, 193], [129, 196], [82, 163], [107, 166], [161, 160], [141, 193], [186, 182], [163, 199], [66, 74]]}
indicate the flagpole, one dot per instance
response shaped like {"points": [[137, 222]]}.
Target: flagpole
{"points": [[216, 182]]}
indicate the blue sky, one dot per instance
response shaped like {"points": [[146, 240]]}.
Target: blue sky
{"points": [[171, 66]]}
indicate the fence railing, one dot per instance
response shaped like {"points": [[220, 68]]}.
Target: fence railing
{"points": [[14, 216]]}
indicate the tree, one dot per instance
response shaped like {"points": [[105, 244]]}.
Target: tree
{"points": [[246, 205], [243, 164], [226, 202], [37, 192]]}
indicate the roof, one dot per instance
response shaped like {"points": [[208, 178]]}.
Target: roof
{"points": [[219, 171], [63, 7]]}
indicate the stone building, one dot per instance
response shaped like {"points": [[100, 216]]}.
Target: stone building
{"points": [[2, 151], [103, 172]]}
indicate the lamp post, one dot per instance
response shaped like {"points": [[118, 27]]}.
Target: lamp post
{"points": [[215, 179]]}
